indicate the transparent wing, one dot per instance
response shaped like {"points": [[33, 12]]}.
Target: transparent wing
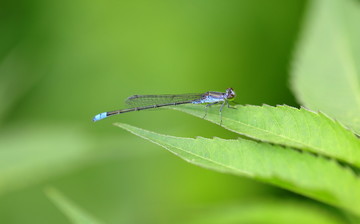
{"points": [[147, 100]]}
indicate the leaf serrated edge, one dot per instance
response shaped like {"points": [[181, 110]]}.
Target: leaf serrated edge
{"points": [[291, 185], [285, 107]]}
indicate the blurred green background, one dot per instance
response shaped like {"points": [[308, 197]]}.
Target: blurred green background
{"points": [[62, 62]]}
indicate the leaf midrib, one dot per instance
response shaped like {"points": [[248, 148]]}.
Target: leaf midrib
{"points": [[276, 134], [162, 144], [297, 186]]}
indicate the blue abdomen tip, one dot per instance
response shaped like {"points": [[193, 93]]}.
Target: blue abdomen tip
{"points": [[100, 116]]}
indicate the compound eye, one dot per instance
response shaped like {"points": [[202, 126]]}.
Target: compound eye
{"points": [[232, 93]]}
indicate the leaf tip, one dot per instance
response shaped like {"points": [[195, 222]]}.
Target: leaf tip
{"points": [[126, 127], [132, 129]]}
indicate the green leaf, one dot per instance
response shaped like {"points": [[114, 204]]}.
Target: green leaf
{"points": [[14, 81], [326, 71], [29, 155], [71, 210], [269, 212], [297, 128], [314, 176]]}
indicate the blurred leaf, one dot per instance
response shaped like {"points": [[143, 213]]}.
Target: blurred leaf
{"points": [[292, 127], [71, 210], [269, 212], [301, 172], [15, 80], [326, 71], [29, 155]]}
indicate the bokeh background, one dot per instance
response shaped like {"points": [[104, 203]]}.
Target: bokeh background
{"points": [[62, 62]]}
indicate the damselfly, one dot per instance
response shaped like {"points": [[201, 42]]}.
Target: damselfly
{"points": [[143, 102]]}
